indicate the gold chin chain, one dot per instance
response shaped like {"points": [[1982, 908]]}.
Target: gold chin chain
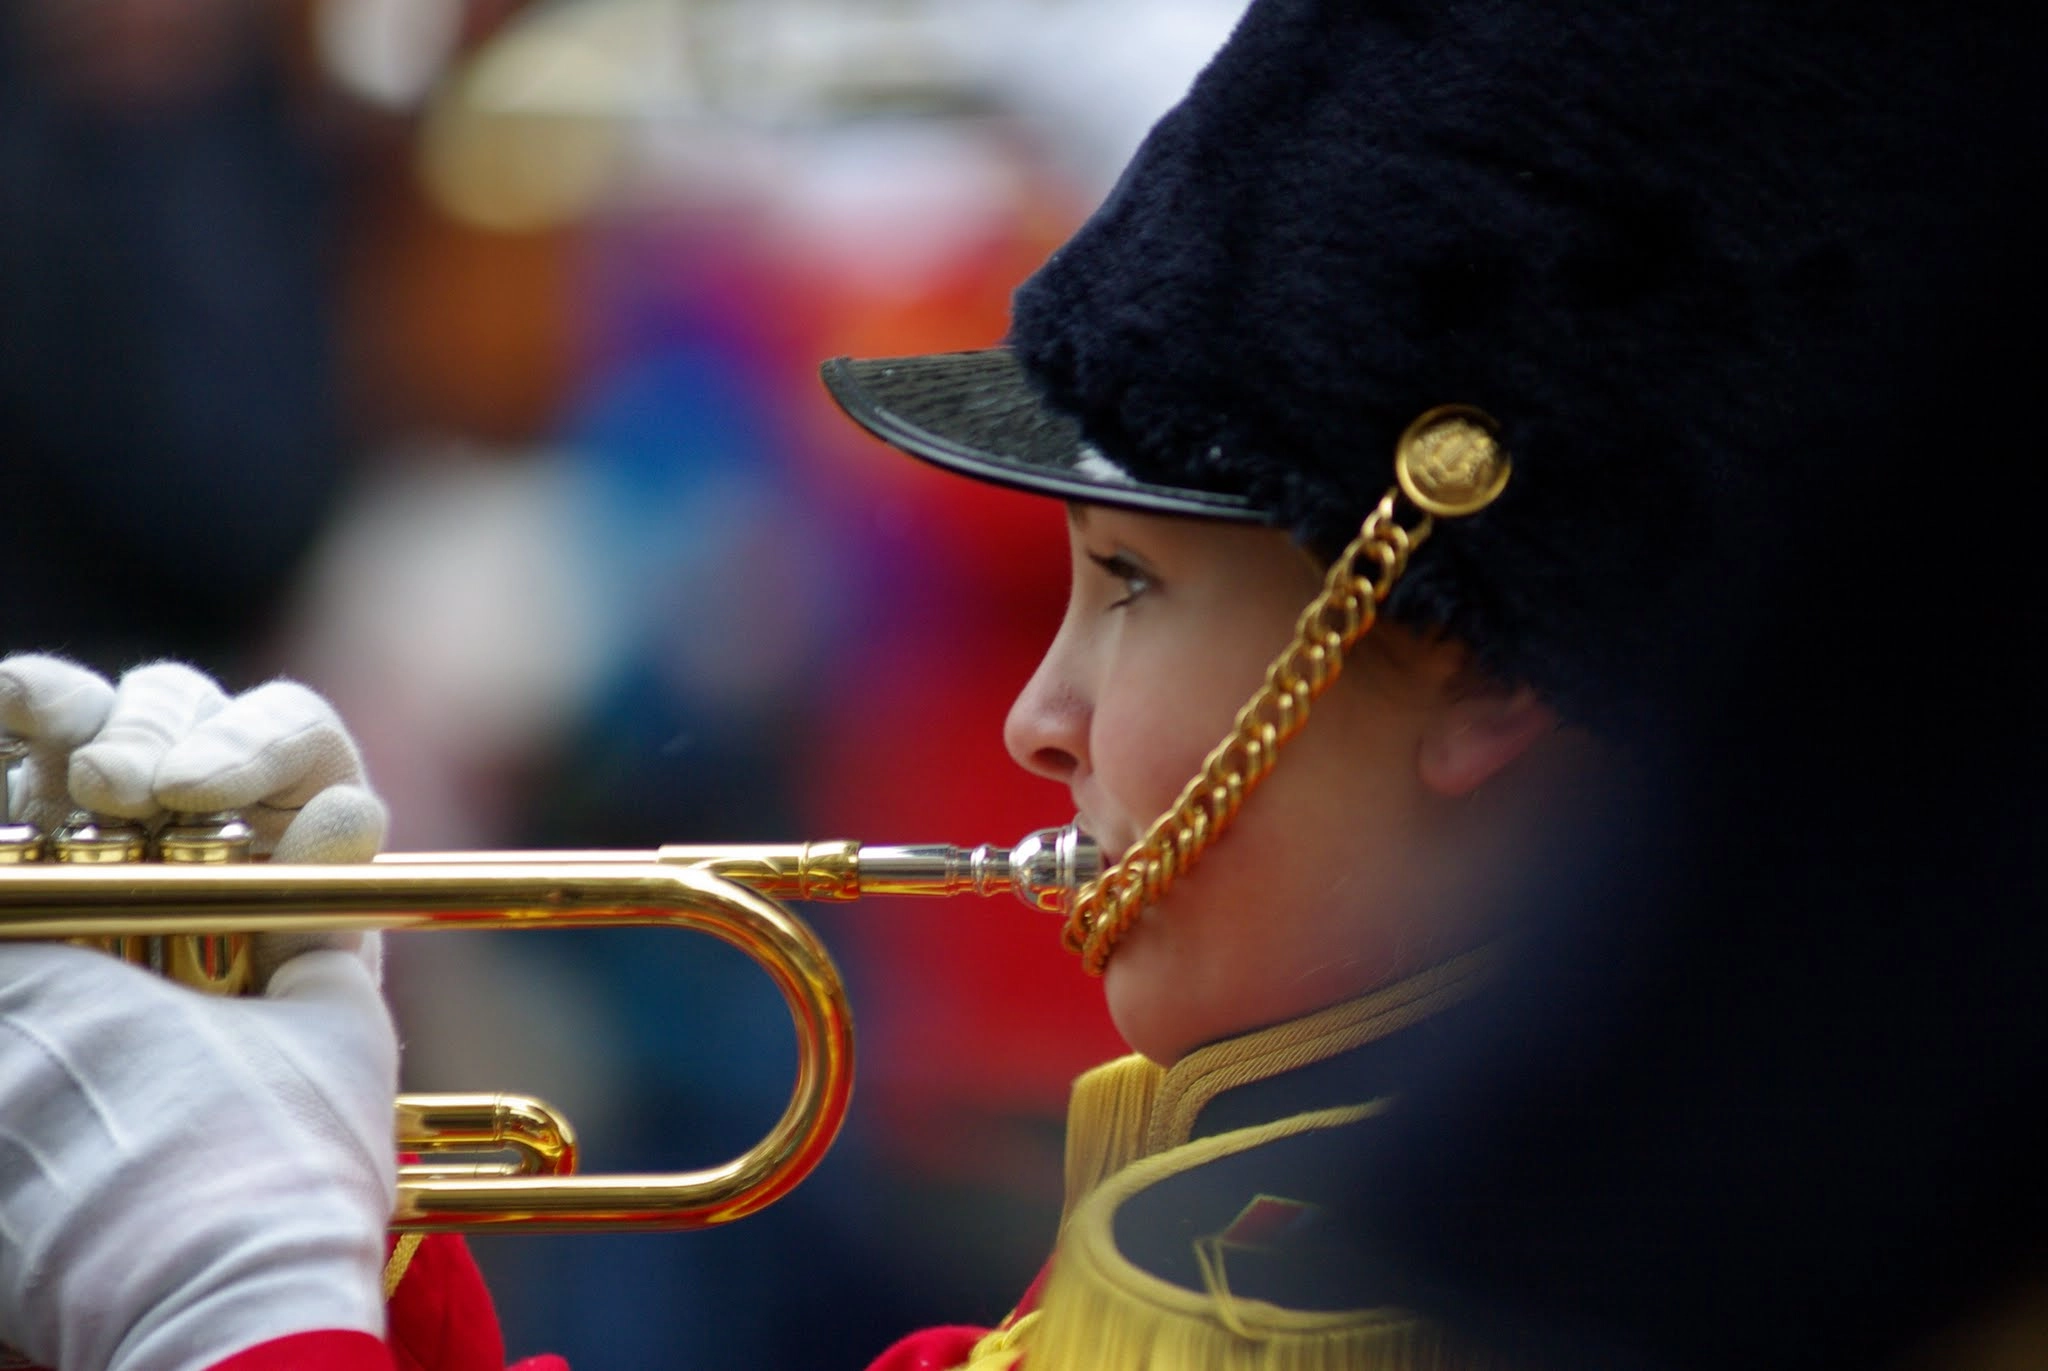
{"points": [[1447, 464]]}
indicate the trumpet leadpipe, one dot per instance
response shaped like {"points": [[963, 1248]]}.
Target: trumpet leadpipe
{"points": [[1043, 870]]}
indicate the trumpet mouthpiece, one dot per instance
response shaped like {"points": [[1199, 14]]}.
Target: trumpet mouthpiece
{"points": [[1043, 871], [1051, 864]]}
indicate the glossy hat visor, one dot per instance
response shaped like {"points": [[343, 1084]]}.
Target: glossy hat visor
{"points": [[977, 414]]}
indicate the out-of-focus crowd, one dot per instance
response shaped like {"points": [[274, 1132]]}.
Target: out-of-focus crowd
{"points": [[458, 358]]}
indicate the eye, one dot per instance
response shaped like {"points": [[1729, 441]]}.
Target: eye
{"points": [[1135, 579]]}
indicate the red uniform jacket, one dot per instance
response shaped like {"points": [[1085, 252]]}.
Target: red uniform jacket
{"points": [[442, 1319]]}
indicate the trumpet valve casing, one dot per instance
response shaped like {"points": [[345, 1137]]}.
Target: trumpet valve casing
{"points": [[218, 964]]}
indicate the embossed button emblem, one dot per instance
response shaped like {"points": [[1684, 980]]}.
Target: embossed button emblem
{"points": [[1450, 461]]}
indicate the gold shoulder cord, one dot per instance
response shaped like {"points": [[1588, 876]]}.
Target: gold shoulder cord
{"points": [[1447, 464]]}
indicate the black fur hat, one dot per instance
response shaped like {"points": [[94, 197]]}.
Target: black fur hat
{"points": [[1662, 244]]}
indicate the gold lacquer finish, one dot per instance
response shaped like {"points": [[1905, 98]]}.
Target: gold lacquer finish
{"points": [[704, 890], [214, 964], [542, 1139], [113, 901], [217, 965]]}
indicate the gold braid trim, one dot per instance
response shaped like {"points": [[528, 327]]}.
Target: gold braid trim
{"points": [[1100, 1311], [1000, 1350], [402, 1253], [1130, 1108], [1109, 1118], [1448, 464], [1206, 1073]]}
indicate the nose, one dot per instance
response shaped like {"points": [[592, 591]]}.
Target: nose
{"points": [[1047, 728]]}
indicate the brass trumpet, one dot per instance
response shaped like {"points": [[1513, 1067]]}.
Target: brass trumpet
{"points": [[730, 893]]}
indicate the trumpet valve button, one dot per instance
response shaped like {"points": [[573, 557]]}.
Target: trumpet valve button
{"points": [[205, 840], [94, 839]]}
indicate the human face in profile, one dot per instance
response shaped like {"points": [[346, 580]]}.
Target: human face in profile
{"points": [[1341, 873]]}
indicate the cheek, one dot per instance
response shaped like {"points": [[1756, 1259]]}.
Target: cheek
{"points": [[1143, 756], [1153, 732]]}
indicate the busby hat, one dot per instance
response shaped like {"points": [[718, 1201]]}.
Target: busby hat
{"points": [[1660, 244]]}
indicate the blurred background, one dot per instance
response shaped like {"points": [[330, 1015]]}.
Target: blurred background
{"points": [[459, 358]]}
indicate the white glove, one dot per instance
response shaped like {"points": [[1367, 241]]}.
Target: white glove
{"points": [[183, 1177], [169, 739], [53, 706]]}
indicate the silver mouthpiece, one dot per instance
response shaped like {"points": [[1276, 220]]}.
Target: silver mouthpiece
{"points": [[1043, 871]]}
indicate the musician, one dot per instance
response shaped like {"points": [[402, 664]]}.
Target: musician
{"points": [[1632, 960]]}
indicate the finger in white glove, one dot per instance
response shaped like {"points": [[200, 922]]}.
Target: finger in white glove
{"points": [[270, 951], [156, 707], [168, 738], [343, 823], [53, 705], [281, 756]]}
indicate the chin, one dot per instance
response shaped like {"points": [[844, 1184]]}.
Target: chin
{"points": [[1131, 1010], [1140, 992]]}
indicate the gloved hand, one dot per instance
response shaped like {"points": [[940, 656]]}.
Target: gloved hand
{"points": [[168, 739], [183, 1177]]}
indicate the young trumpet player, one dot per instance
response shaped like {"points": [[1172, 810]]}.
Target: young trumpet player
{"points": [[1629, 958]]}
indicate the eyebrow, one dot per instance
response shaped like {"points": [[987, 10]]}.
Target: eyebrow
{"points": [[1077, 513]]}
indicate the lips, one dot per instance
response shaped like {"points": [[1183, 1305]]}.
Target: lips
{"points": [[1112, 837], [1112, 845]]}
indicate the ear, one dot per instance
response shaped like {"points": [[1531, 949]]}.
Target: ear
{"points": [[1473, 737]]}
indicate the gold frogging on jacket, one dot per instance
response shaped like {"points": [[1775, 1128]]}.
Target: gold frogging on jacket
{"points": [[1129, 1128]]}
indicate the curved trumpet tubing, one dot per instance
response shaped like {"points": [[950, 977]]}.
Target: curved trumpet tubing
{"points": [[728, 892], [1044, 870], [154, 900]]}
